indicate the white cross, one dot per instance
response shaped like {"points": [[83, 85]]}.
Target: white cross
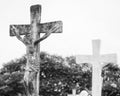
{"points": [[96, 59], [73, 93]]}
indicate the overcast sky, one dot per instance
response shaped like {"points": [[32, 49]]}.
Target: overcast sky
{"points": [[83, 21]]}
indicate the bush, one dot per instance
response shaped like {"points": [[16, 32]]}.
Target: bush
{"points": [[58, 76]]}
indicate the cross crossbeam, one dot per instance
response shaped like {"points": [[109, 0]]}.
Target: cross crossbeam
{"points": [[43, 28]]}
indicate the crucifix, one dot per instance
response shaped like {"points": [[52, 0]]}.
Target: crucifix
{"points": [[31, 39], [97, 61]]}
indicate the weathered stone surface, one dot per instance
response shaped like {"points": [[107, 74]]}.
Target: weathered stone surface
{"points": [[31, 42], [44, 27]]}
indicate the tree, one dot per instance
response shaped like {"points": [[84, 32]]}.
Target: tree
{"points": [[57, 78], [11, 77], [111, 75]]}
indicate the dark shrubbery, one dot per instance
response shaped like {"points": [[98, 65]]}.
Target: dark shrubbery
{"points": [[58, 76]]}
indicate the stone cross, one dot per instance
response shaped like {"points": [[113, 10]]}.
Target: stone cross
{"points": [[31, 39], [73, 93], [97, 61]]}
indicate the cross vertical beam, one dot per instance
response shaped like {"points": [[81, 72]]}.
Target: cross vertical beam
{"points": [[96, 69], [96, 48], [35, 20]]}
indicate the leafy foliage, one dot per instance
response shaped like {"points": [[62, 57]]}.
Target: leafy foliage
{"points": [[11, 76], [58, 76], [111, 77]]}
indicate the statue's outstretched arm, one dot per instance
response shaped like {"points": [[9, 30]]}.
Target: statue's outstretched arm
{"points": [[17, 34], [46, 34]]}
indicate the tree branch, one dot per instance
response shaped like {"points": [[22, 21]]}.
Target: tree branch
{"points": [[17, 34], [47, 34]]}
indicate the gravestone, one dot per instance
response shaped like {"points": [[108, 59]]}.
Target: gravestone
{"points": [[97, 61], [31, 40], [84, 93]]}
